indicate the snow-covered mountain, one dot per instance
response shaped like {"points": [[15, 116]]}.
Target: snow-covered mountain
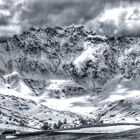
{"points": [[46, 72]]}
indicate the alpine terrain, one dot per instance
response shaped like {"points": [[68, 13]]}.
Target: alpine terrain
{"points": [[51, 74]]}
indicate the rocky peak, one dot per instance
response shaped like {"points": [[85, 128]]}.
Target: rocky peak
{"points": [[71, 53]]}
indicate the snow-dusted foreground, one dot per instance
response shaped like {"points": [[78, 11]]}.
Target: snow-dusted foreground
{"points": [[106, 129]]}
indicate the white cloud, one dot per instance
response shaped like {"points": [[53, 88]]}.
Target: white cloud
{"points": [[117, 18], [10, 17], [9, 30], [1, 2], [5, 12], [118, 21]]}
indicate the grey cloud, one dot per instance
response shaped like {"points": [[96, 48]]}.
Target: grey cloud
{"points": [[55, 12], [121, 20], [62, 12], [10, 11], [67, 12], [3, 20]]}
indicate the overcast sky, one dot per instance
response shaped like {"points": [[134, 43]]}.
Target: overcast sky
{"points": [[100, 15]]}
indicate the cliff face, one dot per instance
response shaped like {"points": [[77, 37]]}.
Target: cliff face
{"points": [[57, 63], [44, 52], [72, 53]]}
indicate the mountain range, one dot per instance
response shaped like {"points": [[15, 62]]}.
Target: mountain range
{"points": [[53, 73]]}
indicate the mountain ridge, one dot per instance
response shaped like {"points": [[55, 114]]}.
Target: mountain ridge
{"points": [[71, 65]]}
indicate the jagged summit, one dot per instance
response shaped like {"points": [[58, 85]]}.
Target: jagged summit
{"points": [[47, 50], [72, 53]]}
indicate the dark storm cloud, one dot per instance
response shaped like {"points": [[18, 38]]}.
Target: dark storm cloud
{"points": [[65, 12], [4, 20], [62, 12]]}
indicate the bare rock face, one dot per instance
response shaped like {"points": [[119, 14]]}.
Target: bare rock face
{"points": [[45, 51], [71, 53]]}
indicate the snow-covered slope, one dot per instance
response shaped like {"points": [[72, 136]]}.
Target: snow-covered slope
{"points": [[120, 101], [70, 69], [21, 110]]}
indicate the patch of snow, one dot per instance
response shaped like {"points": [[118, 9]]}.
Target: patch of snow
{"points": [[70, 105], [107, 129], [10, 137]]}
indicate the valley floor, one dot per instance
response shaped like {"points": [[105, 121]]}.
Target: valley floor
{"points": [[107, 132]]}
